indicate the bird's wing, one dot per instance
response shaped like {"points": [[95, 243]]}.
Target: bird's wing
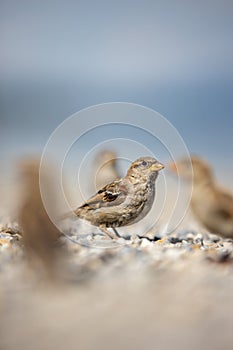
{"points": [[112, 194], [220, 213]]}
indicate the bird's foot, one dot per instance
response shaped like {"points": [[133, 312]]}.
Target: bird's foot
{"points": [[114, 235], [106, 232]]}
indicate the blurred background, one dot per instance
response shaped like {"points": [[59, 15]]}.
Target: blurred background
{"points": [[58, 57]]}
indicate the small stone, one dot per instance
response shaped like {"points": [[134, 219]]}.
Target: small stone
{"points": [[198, 239], [90, 237], [174, 240], [5, 243], [135, 239], [146, 243], [162, 240], [190, 237], [150, 237]]}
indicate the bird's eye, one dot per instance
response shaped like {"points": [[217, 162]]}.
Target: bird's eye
{"points": [[144, 163]]}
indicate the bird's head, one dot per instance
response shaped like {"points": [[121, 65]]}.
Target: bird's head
{"points": [[106, 158], [194, 168], [145, 168]]}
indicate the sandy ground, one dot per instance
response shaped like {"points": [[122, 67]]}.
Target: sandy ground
{"points": [[174, 293], [157, 292]]}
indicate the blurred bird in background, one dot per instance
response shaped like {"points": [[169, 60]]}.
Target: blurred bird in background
{"points": [[39, 235], [106, 168], [211, 204]]}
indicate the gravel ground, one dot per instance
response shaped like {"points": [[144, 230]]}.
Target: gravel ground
{"points": [[141, 293]]}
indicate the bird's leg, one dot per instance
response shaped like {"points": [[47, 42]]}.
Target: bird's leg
{"points": [[116, 233], [104, 230]]}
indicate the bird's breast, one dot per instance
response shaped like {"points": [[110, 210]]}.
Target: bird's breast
{"points": [[143, 201]]}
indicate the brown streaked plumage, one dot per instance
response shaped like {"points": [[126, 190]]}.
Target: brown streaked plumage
{"points": [[211, 204], [124, 201]]}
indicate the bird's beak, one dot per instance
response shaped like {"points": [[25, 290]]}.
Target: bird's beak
{"points": [[156, 166]]}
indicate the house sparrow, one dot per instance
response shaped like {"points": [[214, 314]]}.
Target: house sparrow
{"points": [[124, 201], [106, 168], [212, 205]]}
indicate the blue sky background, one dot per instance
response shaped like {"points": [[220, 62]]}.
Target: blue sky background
{"points": [[58, 57]]}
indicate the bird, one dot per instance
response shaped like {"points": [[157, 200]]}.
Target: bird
{"points": [[124, 201], [210, 203], [106, 168], [39, 234]]}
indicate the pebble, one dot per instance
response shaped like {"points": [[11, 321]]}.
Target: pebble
{"points": [[174, 240], [4, 243], [94, 252], [146, 243], [7, 239]]}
